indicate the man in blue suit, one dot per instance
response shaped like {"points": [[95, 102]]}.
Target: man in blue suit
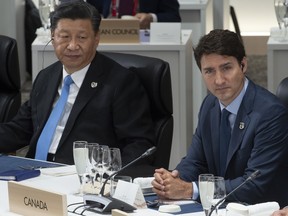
{"points": [[259, 131], [148, 10]]}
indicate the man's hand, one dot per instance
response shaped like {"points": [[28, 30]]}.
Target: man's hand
{"points": [[283, 212], [145, 20], [168, 185]]}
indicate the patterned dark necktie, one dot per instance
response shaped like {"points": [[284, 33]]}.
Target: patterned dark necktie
{"points": [[225, 135]]}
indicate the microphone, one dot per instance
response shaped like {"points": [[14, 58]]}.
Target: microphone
{"points": [[147, 153], [102, 204], [251, 177]]}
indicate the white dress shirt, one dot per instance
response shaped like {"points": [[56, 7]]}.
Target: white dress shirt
{"points": [[77, 78]]}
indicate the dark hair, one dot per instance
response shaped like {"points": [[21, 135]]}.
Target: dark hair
{"points": [[77, 9], [221, 42]]}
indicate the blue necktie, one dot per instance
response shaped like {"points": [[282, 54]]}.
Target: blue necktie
{"points": [[48, 131], [225, 135]]}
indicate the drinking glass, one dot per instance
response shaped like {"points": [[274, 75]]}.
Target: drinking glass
{"points": [[218, 191], [115, 165], [101, 157], [115, 161], [91, 162], [45, 8], [205, 193], [80, 155], [281, 11]]}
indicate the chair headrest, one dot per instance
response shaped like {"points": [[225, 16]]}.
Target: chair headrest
{"points": [[9, 64], [155, 76]]}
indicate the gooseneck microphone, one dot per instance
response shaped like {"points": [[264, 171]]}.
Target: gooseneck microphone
{"points": [[102, 204], [147, 153], [251, 177]]}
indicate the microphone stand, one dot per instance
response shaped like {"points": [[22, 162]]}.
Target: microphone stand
{"points": [[146, 154], [102, 204], [251, 177]]}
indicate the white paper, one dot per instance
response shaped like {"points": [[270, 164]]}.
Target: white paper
{"points": [[130, 193], [165, 33], [59, 171]]}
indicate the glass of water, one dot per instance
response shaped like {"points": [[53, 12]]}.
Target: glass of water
{"points": [[205, 191]]}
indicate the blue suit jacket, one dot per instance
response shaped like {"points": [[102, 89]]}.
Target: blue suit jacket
{"points": [[261, 145], [165, 10]]}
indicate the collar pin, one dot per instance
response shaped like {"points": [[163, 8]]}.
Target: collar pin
{"points": [[93, 84], [241, 125]]}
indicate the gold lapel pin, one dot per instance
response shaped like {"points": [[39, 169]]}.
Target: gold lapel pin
{"points": [[94, 84], [241, 125]]}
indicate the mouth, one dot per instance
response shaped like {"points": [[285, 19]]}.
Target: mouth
{"points": [[72, 56], [222, 88]]}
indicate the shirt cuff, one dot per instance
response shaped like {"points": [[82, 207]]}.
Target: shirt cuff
{"points": [[195, 191], [154, 17]]}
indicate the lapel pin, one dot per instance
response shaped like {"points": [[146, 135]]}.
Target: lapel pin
{"points": [[241, 125], [93, 84]]}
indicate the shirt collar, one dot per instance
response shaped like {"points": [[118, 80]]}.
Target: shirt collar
{"points": [[233, 107], [77, 76]]}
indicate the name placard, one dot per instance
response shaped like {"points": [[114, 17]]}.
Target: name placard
{"points": [[119, 31], [130, 193], [165, 33], [27, 201]]}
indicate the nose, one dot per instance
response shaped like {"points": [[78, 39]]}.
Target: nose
{"points": [[73, 44], [219, 78]]}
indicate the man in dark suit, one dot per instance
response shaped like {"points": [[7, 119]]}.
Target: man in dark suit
{"points": [[106, 104], [148, 10], [257, 124]]}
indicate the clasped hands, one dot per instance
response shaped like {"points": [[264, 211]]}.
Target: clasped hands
{"points": [[168, 185]]}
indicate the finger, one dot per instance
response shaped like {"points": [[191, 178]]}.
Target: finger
{"points": [[161, 170], [157, 185], [175, 173]]}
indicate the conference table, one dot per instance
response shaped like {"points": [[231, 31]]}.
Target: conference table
{"points": [[66, 181]]}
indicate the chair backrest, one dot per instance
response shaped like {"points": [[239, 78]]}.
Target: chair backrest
{"points": [[282, 91], [155, 76], [10, 96]]}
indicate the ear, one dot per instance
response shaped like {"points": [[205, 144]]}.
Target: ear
{"points": [[52, 36], [243, 65]]}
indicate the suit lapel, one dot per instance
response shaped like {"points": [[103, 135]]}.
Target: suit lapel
{"points": [[47, 94], [88, 88], [242, 121]]}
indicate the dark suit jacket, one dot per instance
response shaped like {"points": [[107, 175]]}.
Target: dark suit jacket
{"points": [[165, 10], [115, 113], [261, 145]]}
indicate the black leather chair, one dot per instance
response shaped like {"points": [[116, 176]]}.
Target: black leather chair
{"points": [[282, 91], [155, 76], [10, 95]]}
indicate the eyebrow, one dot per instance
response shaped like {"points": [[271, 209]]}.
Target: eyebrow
{"points": [[221, 66]]}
